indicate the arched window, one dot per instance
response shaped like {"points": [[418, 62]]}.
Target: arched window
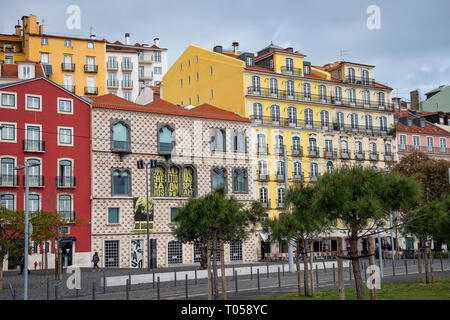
{"points": [[165, 139], [354, 121], [306, 90], [121, 182], [292, 115], [322, 93], [387, 149], [279, 142], [296, 145], [338, 93], [297, 168], [328, 145], [273, 86], [120, 136], [351, 75], [280, 168], [65, 206], [280, 197], [290, 88], [174, 252], [324, 118], [314, 170], [365, 77], [257, 111], [358, 147], [240, 180], [275, 113], [381, 99], [256, 84], [34, 173], [368, 120], [383, 123], [352, 96], [173, 181], [366, 98], [65, 175], [218, 177], [218, 142], [7, 201], [330, 167], [340, 119], [312, 145], [344, 146], [289, 64], [309, 117], [373, 147]]}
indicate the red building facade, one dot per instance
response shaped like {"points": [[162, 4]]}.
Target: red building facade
{"points": [[41, 121]]}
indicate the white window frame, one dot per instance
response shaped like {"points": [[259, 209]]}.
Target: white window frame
{"points": [[66, 99], [72, 137], [33, 96], [90, 42], [15, 132], [6, 106], [400, 141], [14, 196], [44, 53], [69, 41]]}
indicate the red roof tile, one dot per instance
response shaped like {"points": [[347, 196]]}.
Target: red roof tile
{"points": [[268, 54], [429, 127]]}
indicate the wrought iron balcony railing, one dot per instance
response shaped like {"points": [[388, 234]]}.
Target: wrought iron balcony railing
{"points": [[33, 145], [9, 180], [65, 182]]}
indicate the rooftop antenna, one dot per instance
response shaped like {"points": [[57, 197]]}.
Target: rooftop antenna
{"points": [[344, 53], [91, 28], [43, 22]]}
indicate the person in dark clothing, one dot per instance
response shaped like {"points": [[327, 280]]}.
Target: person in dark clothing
{"points": [[95, 260], [22, 265]]}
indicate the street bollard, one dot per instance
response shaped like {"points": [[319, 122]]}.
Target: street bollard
{"points": [[257, 277], [233, 272], [174, 278], [186, 285], [317, 276], [267, 270], [104, 283], [442, 266], [279, 278], [195, 271], [153, 281], [93, 290], [393, 269], [236, 282], [212, 285], [324, 267], [56, 292], [77, 292], [127, 290], [334, 274], [251, 272], [158, 289], [129, 280], [48, 289]]}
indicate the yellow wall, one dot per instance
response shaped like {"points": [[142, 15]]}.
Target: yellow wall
{"points": [[226, 81], [16, 52], [279, 60], [79, 52]]}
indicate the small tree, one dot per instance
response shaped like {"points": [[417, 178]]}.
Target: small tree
{"points": [[359, 198]]}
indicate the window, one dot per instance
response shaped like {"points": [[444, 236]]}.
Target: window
{"points": [[158, 71], [33, 102], [290, 88], [309, 117], [121, 182], [344, 146], [292, 115], [279, 142], [210, 70], [328, 145], [8, 132], [45, 57], [296, 144], [65, 105], [314, 167], [365, 77], [312, 144], [443, 144], [275, 113], [8, 100], [368, 120], [306, 90], [174, 252], [90, 45], [358, 147], [197, 76], [352, 96], [307, 69], [157, 56], [173, 213], [218, 178], [165, 139], [240, 180], [235, 251], [366, 98], [65, 206], [33, 138], [257, 111], [322, 93], [65, 136], [330, 167], [249, 61], [289, 64], [280, 168], [65, 175], [239, 141], [340, 119], [263, 195], [111, 253], [416, 142], [218, 141], [273, 86], [402, 142], [7, 201], [338, 93], [26, 72], [7, 172], [387, 149], [430, 144], [297, 168], [381, 99], [127, 96], [44, 41], [181, 83], [68, 43], [256, 84], [120, 136], [33, 201], [212, 93], [324, 118], [141, 71], [262, 168], [9, 59], [351, 75], [113, 215], [372, 148], [354, 121], [280, 198], [383, 123]]}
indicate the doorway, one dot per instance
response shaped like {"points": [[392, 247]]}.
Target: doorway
{"points": [[67, 254]]}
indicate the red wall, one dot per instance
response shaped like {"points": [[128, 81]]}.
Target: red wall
{"points": [[50, 119]]}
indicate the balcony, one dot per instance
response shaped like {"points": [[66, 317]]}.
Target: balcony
{"points": [[330, 153], [373, 155], [313, 178], [67, 66], [313, 152], [112, 83], [127, 84], [265, 204], [280, 204], [65, 182], [359, 155], [345, 154], [279, 176], [360, 80], [90, 68], [278, 150], [33, 145], [127, 66], [120, 146], [7, 180], [70, 88], [262, 176], [292, 71], [261, 149], [112, 65], [388, 157], [34, 181], [91, 90], [69, 216], [315, 98], [353, 129], [298, 177], [425, 149], [297, 151]]}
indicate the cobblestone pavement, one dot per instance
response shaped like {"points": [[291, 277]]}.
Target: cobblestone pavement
{"points": [[270, 283]]}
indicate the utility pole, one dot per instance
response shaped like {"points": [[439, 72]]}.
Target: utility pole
{"points": [[286, 182], [392, 236]]}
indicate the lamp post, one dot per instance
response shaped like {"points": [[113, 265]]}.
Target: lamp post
{"points": [[140, 165], [27, 231], [286, 181]]}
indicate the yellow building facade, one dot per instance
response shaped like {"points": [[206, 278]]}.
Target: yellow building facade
{"points": [[327, 117], [78, 64], [11, 49]]}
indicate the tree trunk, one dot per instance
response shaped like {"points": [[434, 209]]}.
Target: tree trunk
{"points": [[340, 263], [208, 262], [419, 260], [216, 282], [305, 268], [311, 271], [203, 259], [222, 262], [371, 242], [356, 269], [431, 265], [299, 273], [425, 257]]}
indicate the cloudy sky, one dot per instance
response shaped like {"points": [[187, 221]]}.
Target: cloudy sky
{"points": [[411, 50]]}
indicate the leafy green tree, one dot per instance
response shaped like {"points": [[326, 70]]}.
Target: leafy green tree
{"points": [[359, 198]]}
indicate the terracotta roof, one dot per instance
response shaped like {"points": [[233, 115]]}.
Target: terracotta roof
{"points": [[121, 51], [379, 85], [268, 54], [229, 54], [337, 64], [160, 106], [429, 127]]}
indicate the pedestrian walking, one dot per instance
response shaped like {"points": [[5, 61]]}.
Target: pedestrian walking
{"points": [[95, 260], [22, 265]]}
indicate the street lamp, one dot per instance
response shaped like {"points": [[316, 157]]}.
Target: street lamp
{"points": [[140, 165], [27, 235]]}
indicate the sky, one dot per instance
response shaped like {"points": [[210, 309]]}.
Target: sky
{"points": [[410, 47]]}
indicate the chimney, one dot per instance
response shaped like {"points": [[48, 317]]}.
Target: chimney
{"points": [[127, 38], [414, 100], [156, 42], [235, 45], [290, 49], [41, 29], [17, 26], [217, 49], [92, 36]]}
